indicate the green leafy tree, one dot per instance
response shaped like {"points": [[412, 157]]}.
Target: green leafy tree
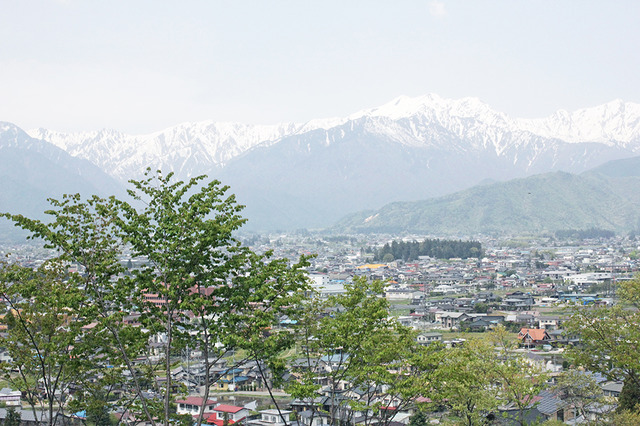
{"points": [[626, 418], [355, 349], [520, 381], [14, 418], [481, 308], [87, 234], [98, 411], [43, 326], [629, 399], [581, 392], [392, 372], [272, 290], [610, 337], [465, 382], [418, 419], [185, 234], [198, 268], [197, 285]]}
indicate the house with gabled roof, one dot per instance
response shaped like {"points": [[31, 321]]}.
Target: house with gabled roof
{"points": [[451, 319], [534, 336], [227, 413], [425, 339]]}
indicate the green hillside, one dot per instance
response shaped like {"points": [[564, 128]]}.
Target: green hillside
{"points": [[606, 198], [628, 167]]}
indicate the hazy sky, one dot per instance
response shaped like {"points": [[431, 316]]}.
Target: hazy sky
{"points": [[141, 66]]}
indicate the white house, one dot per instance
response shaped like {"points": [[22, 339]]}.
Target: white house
{"points": [[192, 404], [270, 418], [426, 339], [231, 412], [10, 397]]}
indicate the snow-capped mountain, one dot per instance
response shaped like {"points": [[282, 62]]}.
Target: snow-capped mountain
{"points": [[614, 123], [187, 149], [427, 121], [309, 174]]}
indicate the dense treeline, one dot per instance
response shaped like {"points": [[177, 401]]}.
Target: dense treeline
{"points": [[583, 234], [441, 249]]}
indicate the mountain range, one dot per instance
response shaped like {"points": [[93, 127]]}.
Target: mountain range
{"points": [[295, 175]]}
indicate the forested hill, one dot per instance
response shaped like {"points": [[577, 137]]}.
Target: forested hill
{"points": [[441, 249], [604, 198]]}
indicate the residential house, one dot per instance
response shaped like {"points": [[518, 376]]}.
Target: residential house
{"points": [[533, 336], [9, 397], [313, 418], [334, 362], [230, 378], [612, 389], [562, 337], [544, 406], [271, 417], [451, 319], [517, 302], [426, 339], [27, 417], [192, 405], [228, 413], [549, 322]]}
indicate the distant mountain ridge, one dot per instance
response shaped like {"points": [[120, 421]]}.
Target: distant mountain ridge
{"points": [[32, 170], [607, 197], [294, 175]]}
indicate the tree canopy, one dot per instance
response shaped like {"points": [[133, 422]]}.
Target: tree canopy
{"points": [[610, 340]]}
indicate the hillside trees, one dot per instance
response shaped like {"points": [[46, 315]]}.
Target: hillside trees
{"points": [[197, 285]]}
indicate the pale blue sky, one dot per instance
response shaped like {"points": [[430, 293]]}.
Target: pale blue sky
{"points": [[141, 66]]}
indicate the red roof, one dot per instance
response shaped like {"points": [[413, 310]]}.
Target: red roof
{"points": [[227, 408], [213, 420], [195, 400], [535, 333]]}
